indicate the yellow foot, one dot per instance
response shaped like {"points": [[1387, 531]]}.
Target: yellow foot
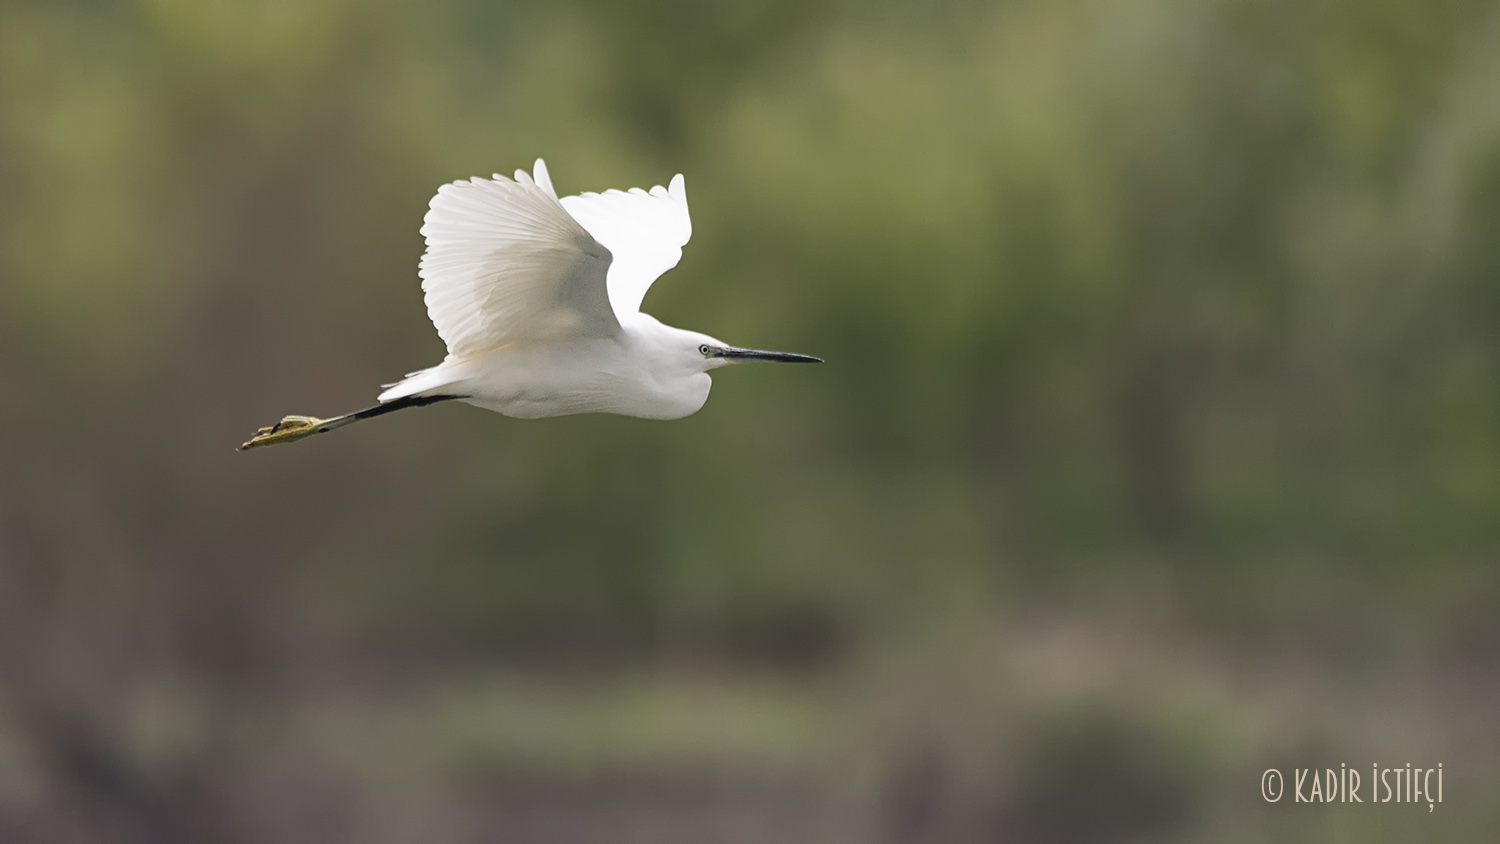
{"points": [[288, 430]]}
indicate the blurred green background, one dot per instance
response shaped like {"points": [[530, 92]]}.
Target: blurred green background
{"points": [[1158, 442]]}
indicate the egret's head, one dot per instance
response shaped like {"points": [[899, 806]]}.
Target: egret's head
{"points": [[713, 354]]}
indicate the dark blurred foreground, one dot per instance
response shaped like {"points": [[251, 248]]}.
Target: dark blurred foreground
{"points": [[1159, 442]]}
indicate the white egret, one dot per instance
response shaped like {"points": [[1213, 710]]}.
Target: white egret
{"points": [[538, 300]]}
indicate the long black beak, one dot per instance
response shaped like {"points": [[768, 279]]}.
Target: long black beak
{"points": [[756, 354]]}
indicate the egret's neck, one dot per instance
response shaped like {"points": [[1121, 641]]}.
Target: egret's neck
{"points": [[666, 366], [651, 338]]}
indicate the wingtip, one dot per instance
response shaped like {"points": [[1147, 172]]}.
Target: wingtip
{"points": [[677, 187], [540, 175]]}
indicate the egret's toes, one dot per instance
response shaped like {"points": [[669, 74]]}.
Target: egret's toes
{"points": [[289, 429]]}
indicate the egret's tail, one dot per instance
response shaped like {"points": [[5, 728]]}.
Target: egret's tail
{"points": [[293, 428], [434, 378]]}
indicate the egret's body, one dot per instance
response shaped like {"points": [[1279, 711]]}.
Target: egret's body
{"points": [[538, 300], [642, 372]]}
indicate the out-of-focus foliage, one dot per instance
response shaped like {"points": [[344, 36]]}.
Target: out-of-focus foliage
{"points": [[1158, 442]]}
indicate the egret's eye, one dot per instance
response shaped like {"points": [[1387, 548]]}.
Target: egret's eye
{"points": [[704, 350]]}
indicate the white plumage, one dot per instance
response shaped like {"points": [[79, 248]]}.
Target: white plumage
{"points": [[644, 231]]}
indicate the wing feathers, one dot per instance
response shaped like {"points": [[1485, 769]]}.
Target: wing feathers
{"points": [[543, 178], [505, 262], [644, 231]]}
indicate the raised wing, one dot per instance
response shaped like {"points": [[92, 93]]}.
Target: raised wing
{"points": [[505, 262], [645, 231]]}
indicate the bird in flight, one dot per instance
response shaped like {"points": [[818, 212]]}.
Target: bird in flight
{"points": [[539, 302]]}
